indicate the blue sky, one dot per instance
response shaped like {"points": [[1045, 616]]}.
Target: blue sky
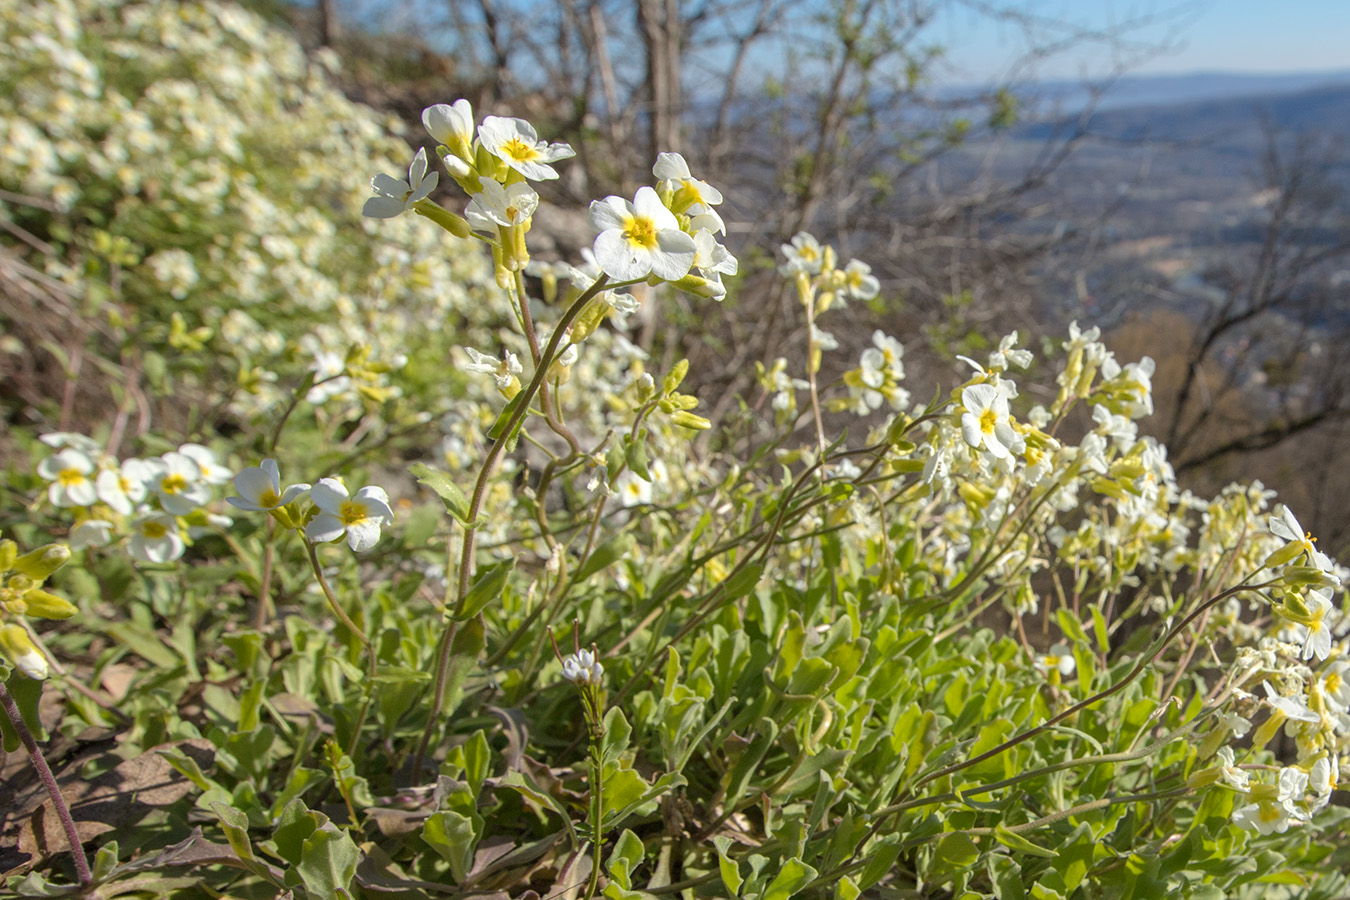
{"points": [[1222, 35]]}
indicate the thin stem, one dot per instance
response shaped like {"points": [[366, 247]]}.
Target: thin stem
{"points": [[49, 782], [265, 582], [466, 556], [371, 662]]}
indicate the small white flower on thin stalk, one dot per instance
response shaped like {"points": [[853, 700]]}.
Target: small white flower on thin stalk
{"points": [[803, 255], [125, 486], [1229, 772], [155, 539], [503, 369], [496, 206], [358, 516], [583, 668], [91, 533], [986, 423], [859, 281], [393, 196], [515, 143], [212, 472], [451, 124], [260, 490], [640, 238], [176, 481], [69, 471], [1316, 634]]}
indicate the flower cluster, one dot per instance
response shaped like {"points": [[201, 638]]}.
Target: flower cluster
{"points": [[333, 513], [159, 504]]}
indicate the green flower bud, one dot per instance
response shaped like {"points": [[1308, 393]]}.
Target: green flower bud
{"points": [[42, 562], [47, 606], [18, 648]]}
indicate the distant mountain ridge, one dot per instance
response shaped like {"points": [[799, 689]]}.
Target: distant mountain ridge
{"points": [[1189, 87], [1231, 119]]}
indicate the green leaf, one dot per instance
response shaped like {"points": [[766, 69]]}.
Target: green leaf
{"points": [[454, 836], [791, 878], [328, 862], [447, 490], [635, 454], [625, 858], [518, 782], [294, 826], [726, 866], [957, 851], [605, 555], [488, 586], [1014, 841], [1070, 625]]}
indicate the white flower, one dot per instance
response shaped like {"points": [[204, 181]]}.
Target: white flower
{"points": [[393, 196], [515, 143], [1283, 524], [689, 196], [632, 489], [803, 255], [176, 480], [1230, 773], [358, 516], [260, 490], [640, 238], [1060, 658], [503, 369], [501, 206], [155, 539], [582, 667], [329, 380], [69, 471], [448, 123], [91, 533], [986, 423], [59, 439], [19, 648], [1316, 634], [451, 124], [212, 472], [859, 281], [122, 488], [713, 261]]}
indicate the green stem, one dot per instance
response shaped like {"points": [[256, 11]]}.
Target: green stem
{"points": [[355, 629], [475, 506]]}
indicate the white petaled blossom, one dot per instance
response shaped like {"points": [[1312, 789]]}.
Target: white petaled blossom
{"points": [[212, 472], [69, 471], [1283, 524], [123, 487], [859, 281], [712, 261], [640, 238], [1316, 632], [358, 516], [393, 197], [986, 423], [451, 124], [176, 480], [503, 368], [155, 539], [689, 196], [1229, 772], [515, 143], [91, 533], [260, 490], [804, 254], [582, 667], [501, 206]]}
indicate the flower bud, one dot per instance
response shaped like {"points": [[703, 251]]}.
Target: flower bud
{"points": [[18, 648], [47, 606], [43, 561], [675, 376]]}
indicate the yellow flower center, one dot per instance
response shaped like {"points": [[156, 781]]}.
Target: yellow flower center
{"points": [[173, 484], [268, 498], [640, 231], [519, 150], [353, 512], [1333, 682], [988, 421], [154, 530], [70, 477]]}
